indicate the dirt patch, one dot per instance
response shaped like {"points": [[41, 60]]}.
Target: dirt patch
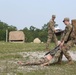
{"points": [[12, 66], [38, 55]]}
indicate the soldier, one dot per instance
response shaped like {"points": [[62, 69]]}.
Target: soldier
{"points": [[67, 41], [47, 60], [51, 32]]}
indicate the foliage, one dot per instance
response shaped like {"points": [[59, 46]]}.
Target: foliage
{"points": [[30, 33], [34, 32], [3, 28]]}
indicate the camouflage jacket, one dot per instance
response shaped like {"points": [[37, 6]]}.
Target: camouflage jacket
{"points": [[67, 33], [51, 28]]}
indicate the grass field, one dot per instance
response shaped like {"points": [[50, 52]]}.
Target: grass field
{"points": [[10, 54]]}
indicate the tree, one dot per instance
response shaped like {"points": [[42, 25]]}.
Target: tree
{"points": [[32, 28], [45, 27], [30, 33], [11, 28], [3, 28]]}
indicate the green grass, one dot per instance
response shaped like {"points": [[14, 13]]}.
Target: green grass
{"points": [[6, 49], [9, 51], [21, 47], [56, 70], [10, 56], [47, 70]]}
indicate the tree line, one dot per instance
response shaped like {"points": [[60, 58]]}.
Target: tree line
{"points": [[33, 32], [3, 28], [30, 33]]}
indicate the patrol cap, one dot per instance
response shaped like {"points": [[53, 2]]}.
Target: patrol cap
{"points": [[54, 16], [66, 19]]}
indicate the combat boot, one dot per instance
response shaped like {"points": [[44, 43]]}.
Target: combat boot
{"points": [[70, 62], [59, 62]]}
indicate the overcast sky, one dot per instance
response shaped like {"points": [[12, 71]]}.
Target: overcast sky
{"points": [[24, 13]]}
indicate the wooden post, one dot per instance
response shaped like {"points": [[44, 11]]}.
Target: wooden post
{"points": [[6, 35]]}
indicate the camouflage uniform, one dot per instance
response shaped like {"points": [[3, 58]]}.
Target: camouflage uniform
{"points": [[68, 42], [37, 62], [55, 57], [51, 34], [45, 60], [53, 60]]}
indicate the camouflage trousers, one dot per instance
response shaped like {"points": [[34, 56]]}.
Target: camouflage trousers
{"points": [[45, 60], [65, 49], [37, 62], [50, 37], [55, 57]]}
